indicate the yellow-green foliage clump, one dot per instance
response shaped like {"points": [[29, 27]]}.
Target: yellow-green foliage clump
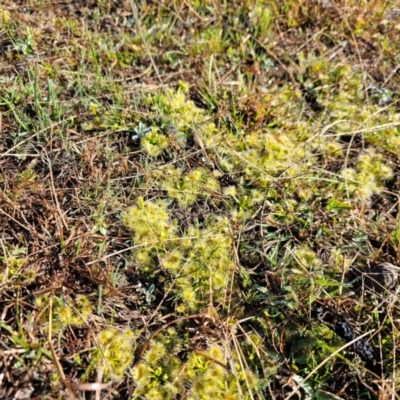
{"points": [[159, 374], [5, 17], [339, 261], [149, 221], [242, 202], [103, 119], [260, 155], [165, 372], [307, 269], [182, 113], [115, 351], [282, 156], [186, 188], [306, 258], [259, 158], [204, 266], [341, 94], [63, 312], [368, 175], [13, 267], [154, 142], [200, 183], [389, 138], [255, 157], [200, 260], [181, 116]]}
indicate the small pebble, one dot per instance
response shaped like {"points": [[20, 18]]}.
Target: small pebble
{"points": [[382, 277]]}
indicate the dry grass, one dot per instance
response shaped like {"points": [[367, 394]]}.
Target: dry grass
{"points": [[191, 194]]}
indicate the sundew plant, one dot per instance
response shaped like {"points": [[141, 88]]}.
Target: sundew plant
{"points": [[195, 197]]}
